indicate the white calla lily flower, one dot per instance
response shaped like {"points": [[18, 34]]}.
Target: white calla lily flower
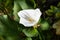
{"points": [[29, 17]]}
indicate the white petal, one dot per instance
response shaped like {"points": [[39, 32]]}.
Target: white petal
{"points": [[30, 13]]}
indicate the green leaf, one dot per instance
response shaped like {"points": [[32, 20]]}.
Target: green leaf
{"points": [[57, 15], [49, 12], [43, 1], [28, 38], [1, 38], [1, 29], [11, 27], [58, 5], [12, 38], [30, 32], [16, 9], [53, 7], [31, 3], [0, 1], [7, 3], [44, 25], [23, 4]]}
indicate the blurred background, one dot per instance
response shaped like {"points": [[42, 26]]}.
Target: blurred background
{"points": [[10, 29]]}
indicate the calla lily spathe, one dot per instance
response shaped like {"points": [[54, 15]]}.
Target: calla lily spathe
{"points": [[29, 17]]}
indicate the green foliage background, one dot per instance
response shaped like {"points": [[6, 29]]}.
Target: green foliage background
{"points": [[10, 29]]}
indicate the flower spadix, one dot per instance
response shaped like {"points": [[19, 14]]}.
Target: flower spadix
{"points": [[29, 17]]}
